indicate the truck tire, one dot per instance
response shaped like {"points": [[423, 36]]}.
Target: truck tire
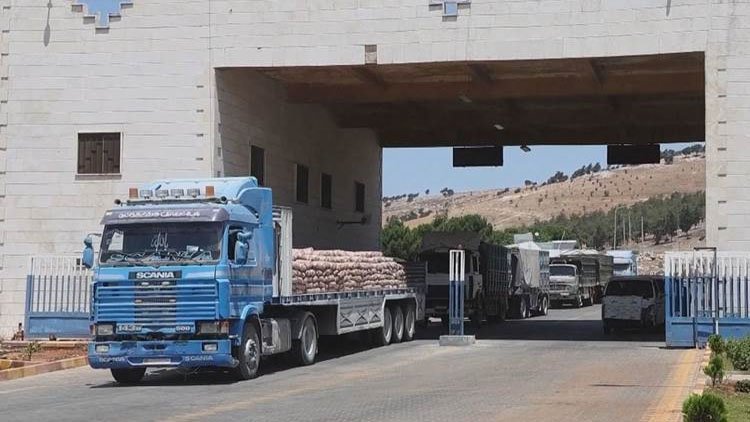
{"points": [[127, 376], [305, 349], [410, 322], [579, 301], [544, 307], [398, 323], [383, 334], [248, 354], [521, 308]]}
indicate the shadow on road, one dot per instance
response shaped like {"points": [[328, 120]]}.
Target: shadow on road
{"points": [[329, 348], [532, 329], [554, 330]]}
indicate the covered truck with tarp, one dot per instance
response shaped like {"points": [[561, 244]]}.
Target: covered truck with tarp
{"points": [[487, 275], [529, 289]]}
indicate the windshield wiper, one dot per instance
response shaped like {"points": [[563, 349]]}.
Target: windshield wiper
{"points": [[128, 259]]}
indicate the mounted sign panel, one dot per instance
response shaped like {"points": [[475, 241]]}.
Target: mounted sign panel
{"points": [[633, 154], [478, 157]]}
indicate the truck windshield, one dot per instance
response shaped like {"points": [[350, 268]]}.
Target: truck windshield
{"points": [[562, 270], [173, 243], [640, 288]]}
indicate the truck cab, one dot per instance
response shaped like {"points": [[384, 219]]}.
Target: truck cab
{"points": [[564, 284], [436, 247]]}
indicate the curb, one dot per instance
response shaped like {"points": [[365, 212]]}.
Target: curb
{"points": [[702, 380], [42, 368]]}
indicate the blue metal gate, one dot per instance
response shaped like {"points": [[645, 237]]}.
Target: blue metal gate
{"points": [[706, 293], [57, 298]]}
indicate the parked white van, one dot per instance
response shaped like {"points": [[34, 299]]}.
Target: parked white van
{"points": [[633, 301]]}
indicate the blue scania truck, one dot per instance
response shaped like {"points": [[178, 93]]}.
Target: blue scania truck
{"points": [[198, 273]]}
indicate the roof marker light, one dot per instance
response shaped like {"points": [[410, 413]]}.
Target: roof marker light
{"points": [[146, 193], [133, 193], [162, 193], [177, 192], [194, 192], [210, 191]]}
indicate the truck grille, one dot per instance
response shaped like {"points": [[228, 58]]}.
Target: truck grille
{"points": [[558, 286], [156, 302]]}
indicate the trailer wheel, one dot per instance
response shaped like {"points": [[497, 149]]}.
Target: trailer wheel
{"points": [[127, 376], [248, 354], [522, 308], [410, 320], [383, 334], [305, 349], [398, 323], [545, 306]]}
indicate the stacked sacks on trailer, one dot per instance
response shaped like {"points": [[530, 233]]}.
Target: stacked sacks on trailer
{"points": [[319, 271]]}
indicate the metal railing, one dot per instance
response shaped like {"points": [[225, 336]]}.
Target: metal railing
{"points": [[58, 297]]}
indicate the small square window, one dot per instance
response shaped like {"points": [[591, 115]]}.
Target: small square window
{"points": [[450, 9], [303, 174], [359, 197], [98, 153], [326, 187], [258, 164]]}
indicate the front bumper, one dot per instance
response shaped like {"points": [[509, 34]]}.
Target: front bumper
{"points": [[161, 354], [562, 296]]}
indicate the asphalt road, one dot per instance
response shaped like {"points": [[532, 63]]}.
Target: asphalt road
{"points": [[554, 368]]}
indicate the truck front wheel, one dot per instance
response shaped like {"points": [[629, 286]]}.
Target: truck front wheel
{"points": [[306, 347], [128, 375], [248, 354]]}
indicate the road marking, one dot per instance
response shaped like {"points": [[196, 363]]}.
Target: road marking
{"points": [[669, 406]]}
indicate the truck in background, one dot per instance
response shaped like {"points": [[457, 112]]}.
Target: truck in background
{"points": [[198, 273], [487, 276], [529, 290], [579, 277], [625, 262]]}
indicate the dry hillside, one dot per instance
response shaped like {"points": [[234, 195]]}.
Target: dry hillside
{"points": [[599, 191]]}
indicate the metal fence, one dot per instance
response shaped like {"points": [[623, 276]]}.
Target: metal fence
{"points": [[58, 297], [706, 293]]}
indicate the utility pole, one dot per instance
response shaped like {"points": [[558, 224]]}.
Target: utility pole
{"points": [[614, 232], [643, 236], [630, 233]]}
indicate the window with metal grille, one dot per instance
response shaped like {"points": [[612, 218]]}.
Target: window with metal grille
{"points": [[303, 174], [98, 153], [258, 164], [359, 197], [326, 182]]}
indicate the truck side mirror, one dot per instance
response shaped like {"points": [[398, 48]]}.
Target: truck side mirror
{"points": [[242, 248], [87, 258]]}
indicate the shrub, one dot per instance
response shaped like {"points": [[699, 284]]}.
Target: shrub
{"points": [[715, 369], [742, 386], [716, 344], [738, 352], [706, 407], [30, 349]]}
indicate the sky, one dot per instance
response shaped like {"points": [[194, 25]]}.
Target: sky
{"points": [[411, 170], [103, 6]]}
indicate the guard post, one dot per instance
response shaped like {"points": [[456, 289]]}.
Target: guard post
{"points": [[456, 271]]}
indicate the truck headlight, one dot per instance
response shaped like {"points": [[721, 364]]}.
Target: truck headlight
{"points": [[105, 329], [213, 327]]}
